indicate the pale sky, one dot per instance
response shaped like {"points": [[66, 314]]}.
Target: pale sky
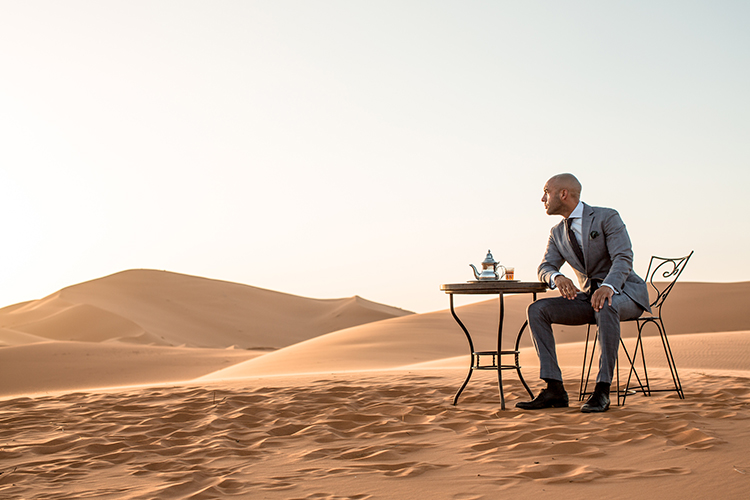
{"points": [[334, 148]]}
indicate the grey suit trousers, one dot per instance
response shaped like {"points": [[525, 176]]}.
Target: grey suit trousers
{"points": [[543, 313]]}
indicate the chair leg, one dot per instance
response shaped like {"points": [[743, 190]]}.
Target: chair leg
{"points": [[645, 389], [647, 392], [584, 378], [617, 369], [632, 367], [586, 371], [631, 362], [622, 393], [670, 360]]}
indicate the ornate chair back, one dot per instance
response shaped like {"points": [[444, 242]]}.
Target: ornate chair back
{"points": [[661, 269]]}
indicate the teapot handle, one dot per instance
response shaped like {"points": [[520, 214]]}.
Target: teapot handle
{"points": [[500, 276]]}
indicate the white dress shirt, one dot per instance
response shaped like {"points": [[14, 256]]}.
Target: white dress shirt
{"points": [[577, 223]]}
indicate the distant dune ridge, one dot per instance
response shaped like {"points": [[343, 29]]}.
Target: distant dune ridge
{"points": [[149, 384], [162, 308]]}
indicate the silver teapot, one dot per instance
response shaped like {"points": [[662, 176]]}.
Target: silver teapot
{"points": [[489, 269]]}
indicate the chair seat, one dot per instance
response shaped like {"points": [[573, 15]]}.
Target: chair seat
{"points": [[642, 318]]}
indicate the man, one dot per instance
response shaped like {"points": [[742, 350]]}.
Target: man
{"points": [[594, 241]]}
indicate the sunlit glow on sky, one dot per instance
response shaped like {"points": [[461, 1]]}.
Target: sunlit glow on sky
{"points": [[334, 148]]}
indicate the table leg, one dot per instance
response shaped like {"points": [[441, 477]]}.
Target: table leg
{"points": [[518, 361], [471, 350], [518, 347], [499, 352]]}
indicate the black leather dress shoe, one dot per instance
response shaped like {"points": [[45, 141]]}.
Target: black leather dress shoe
{"points": [[597, 403], [546, 399]]}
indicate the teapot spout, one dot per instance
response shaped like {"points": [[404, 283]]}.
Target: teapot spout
{"points": [[476, 273]]}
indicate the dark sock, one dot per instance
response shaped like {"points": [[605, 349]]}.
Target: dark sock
{"points": [[554, 385], [602, 387]]}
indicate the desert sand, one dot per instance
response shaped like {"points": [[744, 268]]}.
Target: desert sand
{"points": [[149, 384]]}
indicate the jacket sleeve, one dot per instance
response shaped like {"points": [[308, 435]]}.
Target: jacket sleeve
{"points": [[551, 263]]}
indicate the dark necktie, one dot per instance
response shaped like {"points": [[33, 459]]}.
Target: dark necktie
{"points": [[574, 241]]}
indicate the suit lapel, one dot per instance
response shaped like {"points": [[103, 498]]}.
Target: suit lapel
{"points": [[587, 222]]}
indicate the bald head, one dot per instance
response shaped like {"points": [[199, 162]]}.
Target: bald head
{"points": [[561, 194], [568, 182]]}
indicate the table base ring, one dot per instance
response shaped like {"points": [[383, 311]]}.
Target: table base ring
{"points": [[494, 367]]}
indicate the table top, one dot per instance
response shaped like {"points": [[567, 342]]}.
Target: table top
{"points": [[494, 287]]}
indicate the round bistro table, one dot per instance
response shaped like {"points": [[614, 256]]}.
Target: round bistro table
{"points": [[500, 288]]}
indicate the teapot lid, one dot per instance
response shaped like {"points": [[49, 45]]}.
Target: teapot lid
{"points": [[489, 259]]}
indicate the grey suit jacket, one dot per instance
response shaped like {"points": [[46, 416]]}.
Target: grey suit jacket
{"points": [[606, 249]]}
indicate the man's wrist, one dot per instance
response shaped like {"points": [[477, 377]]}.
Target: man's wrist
{"points": [[552, 283]]}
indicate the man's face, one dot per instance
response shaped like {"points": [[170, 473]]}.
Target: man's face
{"points": [[551, 199]]}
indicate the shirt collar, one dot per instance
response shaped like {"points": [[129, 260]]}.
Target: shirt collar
{"points": [[577, 212]]}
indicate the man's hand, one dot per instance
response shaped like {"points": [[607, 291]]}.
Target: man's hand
{"points": [[566, 287], [601, 295]]}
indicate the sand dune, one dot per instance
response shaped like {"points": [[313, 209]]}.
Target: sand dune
{"points": [[346, 399], [425, 338], [161, 308], [51, 367], [122, 329]]}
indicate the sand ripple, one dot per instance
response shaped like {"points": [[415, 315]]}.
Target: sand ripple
{"points": [[364, 437]]}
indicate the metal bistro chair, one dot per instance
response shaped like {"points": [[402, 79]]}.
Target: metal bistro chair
{"points": [[668, 269]]}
